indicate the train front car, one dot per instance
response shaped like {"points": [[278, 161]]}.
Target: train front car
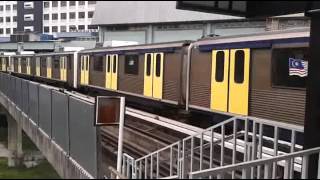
{"points": [[150, 75], [261, 75], [55, 68]]}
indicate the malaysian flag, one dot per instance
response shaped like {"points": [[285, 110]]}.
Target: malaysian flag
{"points": [[298, 67]]}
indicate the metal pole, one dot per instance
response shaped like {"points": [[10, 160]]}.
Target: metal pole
{"points": [[188, 75], [120, 140]]}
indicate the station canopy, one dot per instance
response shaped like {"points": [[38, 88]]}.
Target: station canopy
{"points": [[250, 9]]}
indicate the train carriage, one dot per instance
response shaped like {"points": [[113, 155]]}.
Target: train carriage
{"points": [[56, 67], [250, 75], [152, 71], [4, 62]]}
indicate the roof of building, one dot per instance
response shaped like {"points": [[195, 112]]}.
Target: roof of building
{"points": [[140, 12]]}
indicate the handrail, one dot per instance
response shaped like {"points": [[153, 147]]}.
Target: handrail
{"points": [[258, 162], [115, 172]]}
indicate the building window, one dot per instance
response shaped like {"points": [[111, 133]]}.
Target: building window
{"points": [[14, 18], [72, 3], [46, 17], [46, 29], [1, 19], [14, 30], [46, 4], [8, 30], [14, 7], [55, 16], [8, 7], [28, 28], [90, 14], [81, 15], [72, 15], [28, 5], [92, 27], [1, 30], [81, 3], [131, 64], [1, 8], [281, 59], [63, 3], [98, 63], [72, 28], [28, 17], [54, 28], [91, 2], [63, 28], [63, 15], [8, 19], [54, 3], [81, 27]]}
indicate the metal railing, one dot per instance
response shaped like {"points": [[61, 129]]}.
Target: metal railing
{"points": [[234, 141], [269, 166]]}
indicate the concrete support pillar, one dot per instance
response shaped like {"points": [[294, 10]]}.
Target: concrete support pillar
{"points": [[14, 142], [207, 29], [149, 37]]}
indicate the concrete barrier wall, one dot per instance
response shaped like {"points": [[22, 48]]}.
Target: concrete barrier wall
{"points": [[60, 125]]}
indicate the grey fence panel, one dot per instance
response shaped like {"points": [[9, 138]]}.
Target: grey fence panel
{"points": [[18, 93], [60, 122], [2, 85], [34, 101], [7, 81], [45, 109], [12, 88], [25, 96], [83, 137]]}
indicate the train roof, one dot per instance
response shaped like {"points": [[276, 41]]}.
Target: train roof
{"points": [[168, 46], [257, 40], [55, 53]]}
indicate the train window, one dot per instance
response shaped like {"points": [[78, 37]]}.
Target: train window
{"points": [[43, 62], [108, 63], [114, 64], [239, 67], [56, 62], [23, 62], [148, 64], [98, 63], [131, 64], [286, 75], [158, 64], [219, 66]]}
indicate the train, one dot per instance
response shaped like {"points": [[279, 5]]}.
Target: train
{"points": [[246, 75]]}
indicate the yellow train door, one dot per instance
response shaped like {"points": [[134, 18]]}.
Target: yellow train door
{"points": [[239, 81], [148, 74], [28, 66], [108, 71], [219, 80], [157, 75], [49, 67], [82, 70], [86, 70], [63, 75], [38, 66], [19, 65], [114, 79]]}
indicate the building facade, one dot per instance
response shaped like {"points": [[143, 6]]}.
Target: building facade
{"points": [[49, 17], [160, 21], [8, 18]]}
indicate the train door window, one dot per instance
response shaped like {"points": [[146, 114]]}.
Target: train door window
{"points": [[132, 64], [114, 64], [108, 63], [98, 63], [290, 67], [219, 75], [158, 65], [149, 64], [239, 67]]}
